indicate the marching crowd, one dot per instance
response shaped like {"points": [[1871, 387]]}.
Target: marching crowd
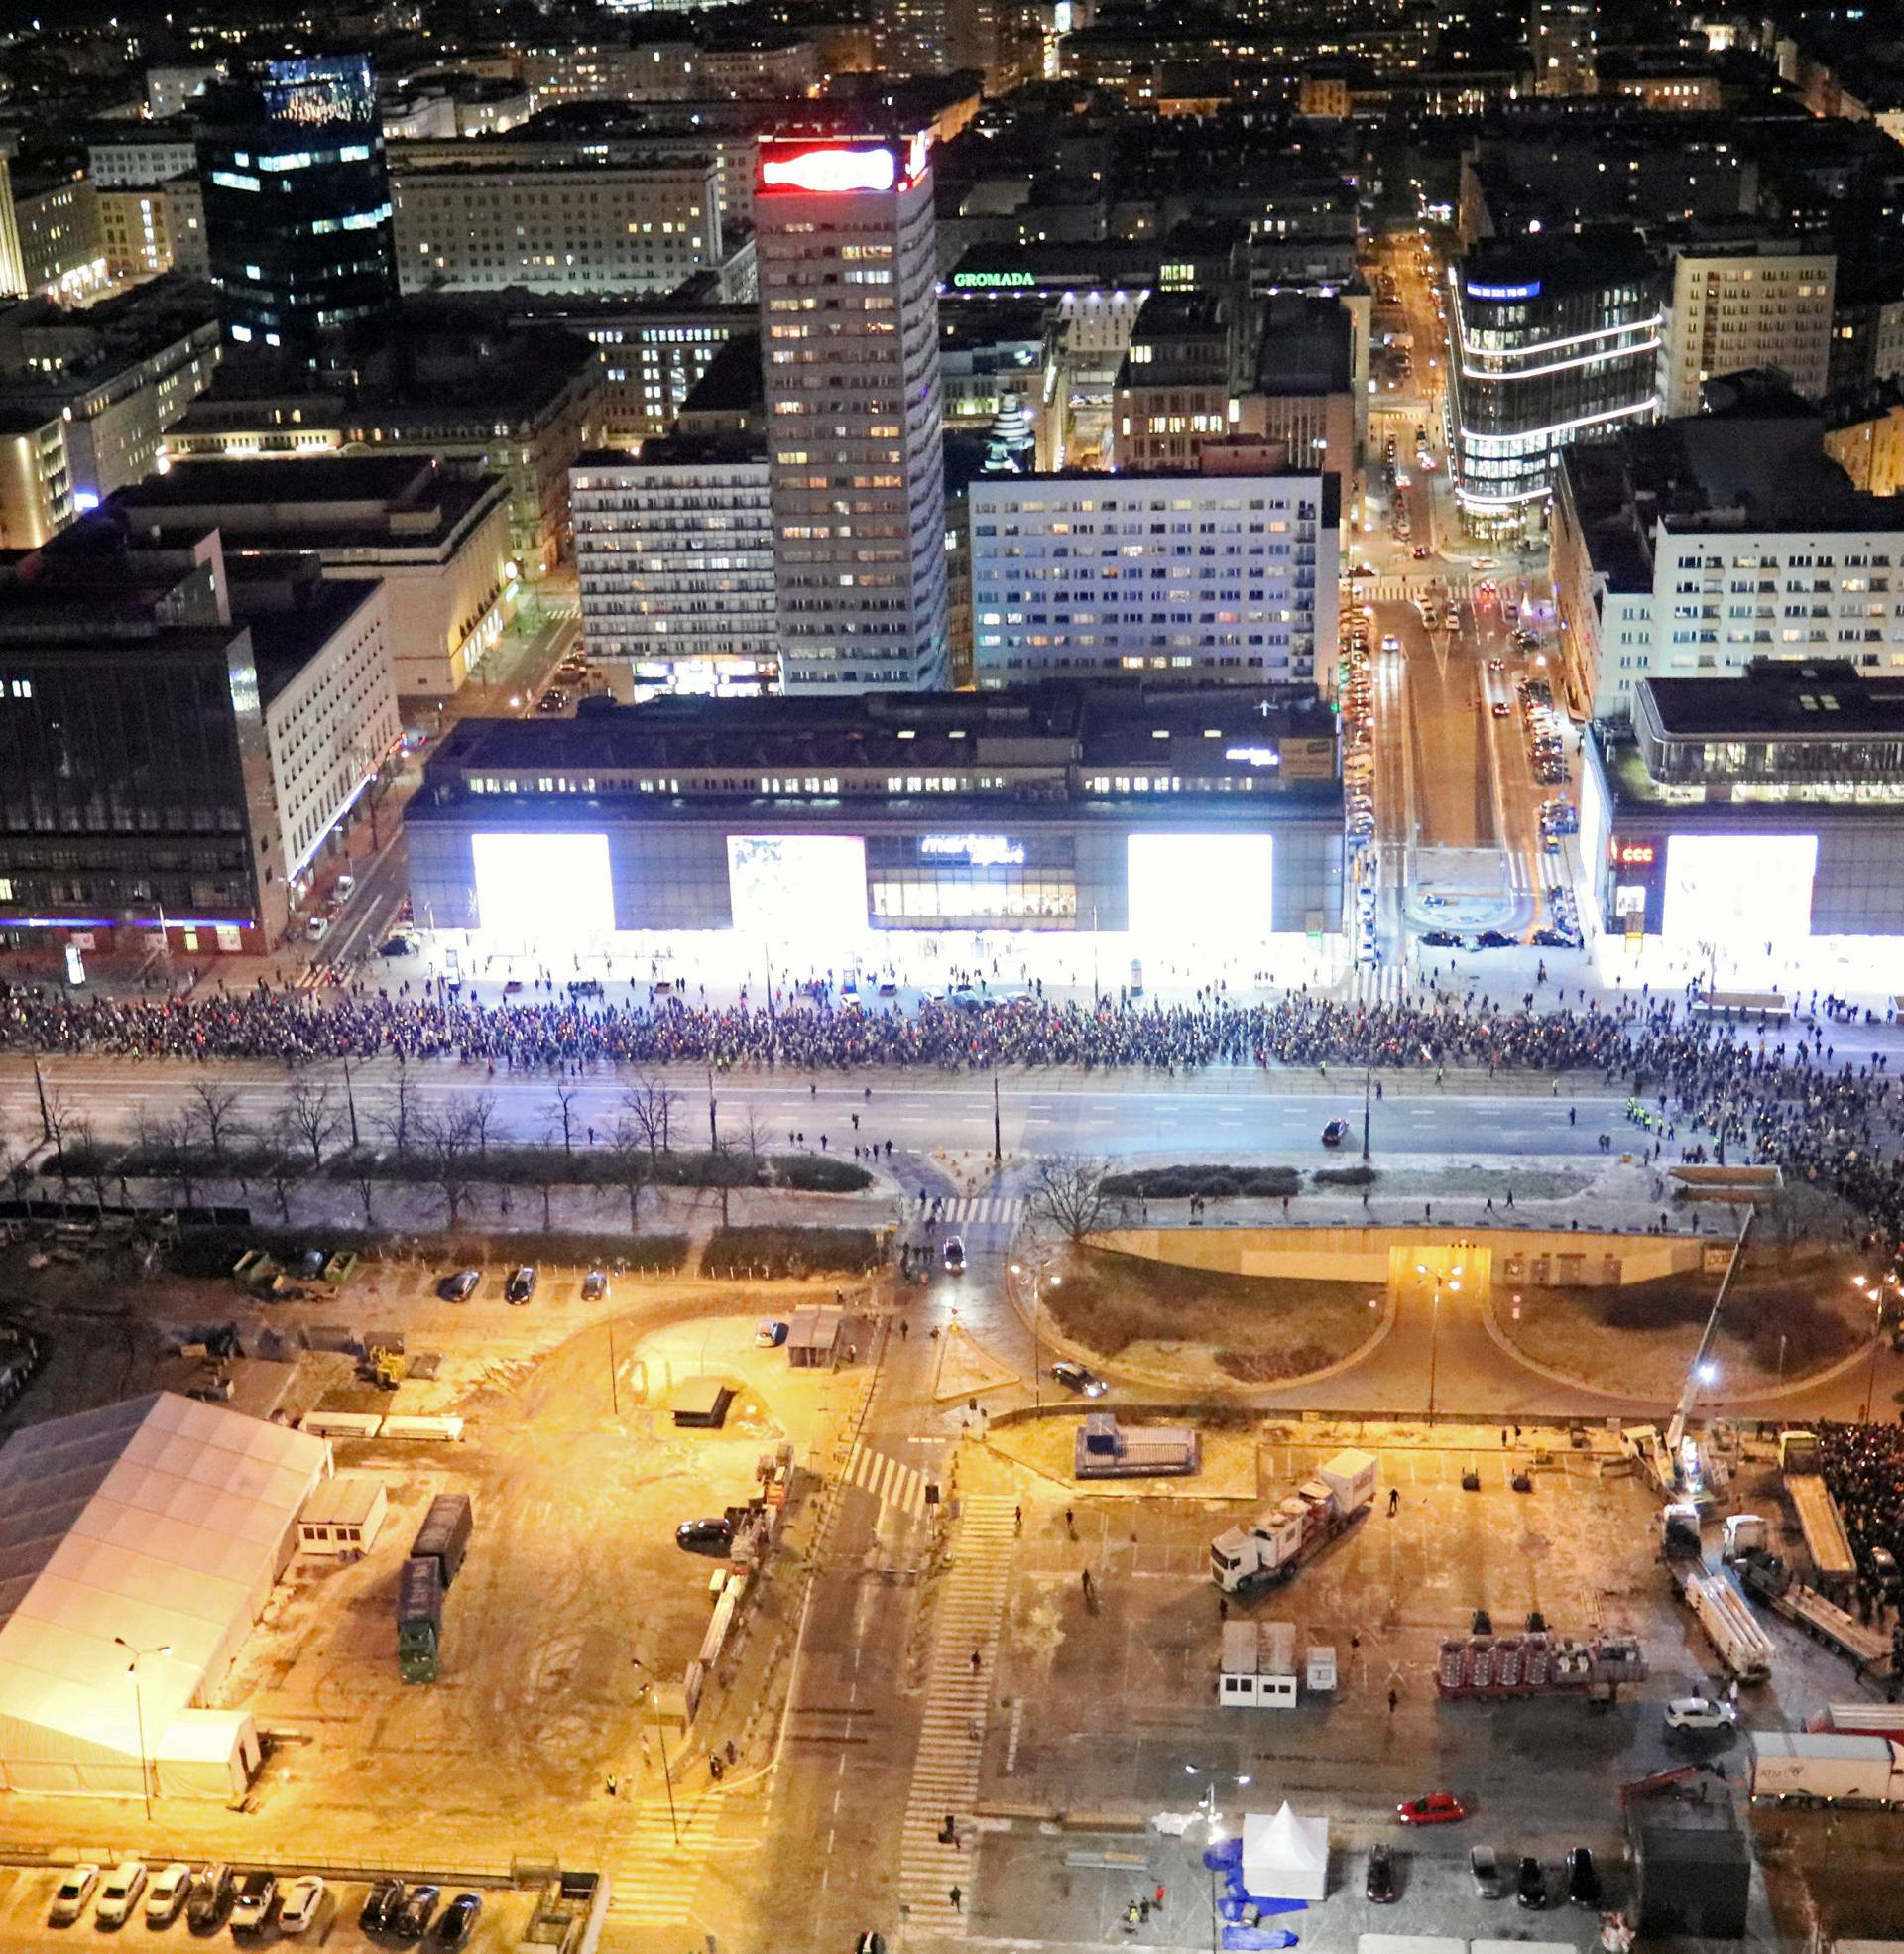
{"points": [[1863, 1465], [1743, 1091]]}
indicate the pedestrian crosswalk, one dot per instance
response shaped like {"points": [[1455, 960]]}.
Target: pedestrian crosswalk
{"points": [[959, 1692], [889, 1482], [653, 1876], [979, 1210]]}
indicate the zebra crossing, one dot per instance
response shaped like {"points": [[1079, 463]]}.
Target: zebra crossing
{"points": [[887, 1479], [959, 1692], [979, 1210], [653, 1877]]}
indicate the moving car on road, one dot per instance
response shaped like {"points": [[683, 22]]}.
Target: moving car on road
{"points": [[953, 1256], [713, 1537], [1697, 1713], [1074, 1377], [1335, 1133], [1441, 939]]}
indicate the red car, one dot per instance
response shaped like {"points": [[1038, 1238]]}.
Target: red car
{"points": [[1437, 1808]]}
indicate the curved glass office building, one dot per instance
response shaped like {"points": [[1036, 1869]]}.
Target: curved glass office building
{"points": [[1551, 341]]}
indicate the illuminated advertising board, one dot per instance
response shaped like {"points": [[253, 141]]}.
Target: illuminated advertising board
{"points": [[792, 166], [982, 851]]}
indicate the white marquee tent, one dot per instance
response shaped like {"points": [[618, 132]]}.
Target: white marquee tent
{"points": [[1286, 1856], [159, 1523]]}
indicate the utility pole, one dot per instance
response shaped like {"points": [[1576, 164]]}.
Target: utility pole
{"points": [[997, 1142], [350, 1100], [46, 1117], [1366, 1076], [713, 1132]]}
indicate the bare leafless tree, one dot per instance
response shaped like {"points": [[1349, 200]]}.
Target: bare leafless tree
{"points": [[567, 1098], [213, 1111], [634, 1164], [483, 1118], [448, 1141], [652, 1106], [364, 1179], [545, 1176], [83, 1138], [398, 1109], [1067, 1194], [177, 1145], [311, 1116]]}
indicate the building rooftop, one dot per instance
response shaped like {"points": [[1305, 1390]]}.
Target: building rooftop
{"points": [[733, 383], [678, 450], [1553, 266], [1825, 698], [1305, 346]]}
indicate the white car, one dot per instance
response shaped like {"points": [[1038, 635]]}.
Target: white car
{"points": [[166, 1893], [301, 1905], [75, 1891], [1698, 1713], [120, 1893]]}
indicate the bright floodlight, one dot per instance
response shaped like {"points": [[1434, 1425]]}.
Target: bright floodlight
{"points": [[1211, 889], [802, 893], [541, 889], [1708, 1373]]}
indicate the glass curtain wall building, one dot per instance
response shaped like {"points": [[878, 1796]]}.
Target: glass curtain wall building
{"points": [[1550, 343], [298, 213]]}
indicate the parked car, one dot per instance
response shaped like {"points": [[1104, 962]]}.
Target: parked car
{"points": [[1074, 1377], [1485, 1863], [380, 1906], [251, 1909], [119, 1894], [1697, 1713], [75, 1891], [770, 1334], [1493, 939], [715, 1536], [953, 1256], [1441, 939], [302, 1904], [457, 1921], [415, 1914], [521, 1284], [213, 1893], [166, 1897], [1335, 1133], [1437, 1808], [1582, 1877], [1530, 1883], [1380, 1886], [594, 1286], [461, 1286]]}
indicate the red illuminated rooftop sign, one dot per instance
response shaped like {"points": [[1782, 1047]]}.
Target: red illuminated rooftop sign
{"points": [[829, 171]]}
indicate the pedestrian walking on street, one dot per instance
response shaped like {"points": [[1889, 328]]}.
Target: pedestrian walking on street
{"points": [[1393, 1699], [957, 1897], [1157, 1899], [975, 1661], [1017, 1519], [1394, 1500], [613, 1782]]}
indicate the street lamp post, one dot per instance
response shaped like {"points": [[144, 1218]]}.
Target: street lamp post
{"points": [[1873, 1292], [139, 1710], [1037, 1274], [1366, 1077], [660, 1735], [1434, 1329]]}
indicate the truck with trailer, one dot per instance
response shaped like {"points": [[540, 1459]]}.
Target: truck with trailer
{"points": [[1277, 1542], [1808, 1768], [445, 1534], [419, 1619], [1745, 1648], [1817, 1515], [1765, 1577], [1107, 1450]]}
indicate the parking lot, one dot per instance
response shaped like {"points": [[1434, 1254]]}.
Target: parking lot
{"points": [[1538, 1776], [26, 1895]]}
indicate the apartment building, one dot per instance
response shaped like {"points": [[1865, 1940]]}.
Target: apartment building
{"points": [[1747, 303], [1225, 579]]}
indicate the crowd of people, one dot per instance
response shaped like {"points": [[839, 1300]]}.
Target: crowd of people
{"points": [[1736, 1091], [1863, 1465]]}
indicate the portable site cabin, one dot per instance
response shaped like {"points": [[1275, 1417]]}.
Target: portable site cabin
{"points": [[155, 1524], [344, 1515]]}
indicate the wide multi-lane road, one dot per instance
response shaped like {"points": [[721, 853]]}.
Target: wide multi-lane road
{"points": [[1211, 1115]]}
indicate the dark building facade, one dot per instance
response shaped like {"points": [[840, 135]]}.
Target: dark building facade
{"points": [[296, 195]]}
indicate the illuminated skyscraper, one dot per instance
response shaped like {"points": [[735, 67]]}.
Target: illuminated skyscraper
{"points": [[850, 345], [298, 200]]}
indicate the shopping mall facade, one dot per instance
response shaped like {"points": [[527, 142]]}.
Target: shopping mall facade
{"points": [[867, 830]]}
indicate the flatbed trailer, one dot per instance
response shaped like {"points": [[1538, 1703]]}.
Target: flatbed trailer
{"points": [[1826, 1541]]}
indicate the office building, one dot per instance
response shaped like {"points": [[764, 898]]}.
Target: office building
{"points": [[482, 397], [1179, 381], [296, 200], [643, 225], [1561, 36], [760, 68], [1000, 40], [1189, 579], [179, 743], [1551, 341], [86, 398], [675, 560], [177, 87], [1762, 303], [1864, 435], [1703, 546], [850, 332], [1165, 822], [1725, 818], [55, 221], [436, 541]]}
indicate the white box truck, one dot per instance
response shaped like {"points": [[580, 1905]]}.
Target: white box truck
{"points": [[1813, 1767], [1277, 1542]]}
